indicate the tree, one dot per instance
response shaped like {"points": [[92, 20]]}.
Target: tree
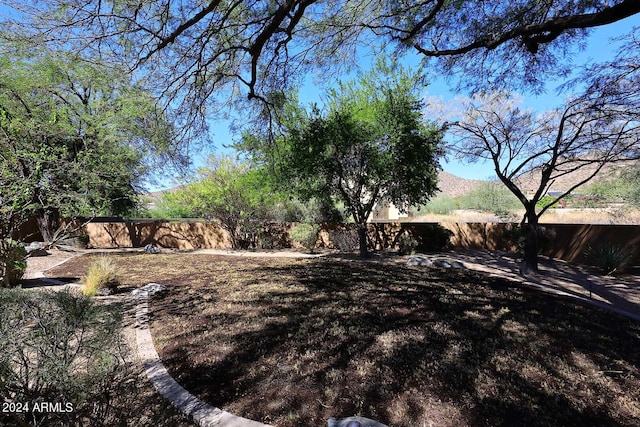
{"points": [[76, 139], [371, 146], [211, 52], [497, 44], [588, 132], [234, 194]]}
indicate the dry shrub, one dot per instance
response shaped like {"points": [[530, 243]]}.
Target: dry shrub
{"points": [[102, 275]]}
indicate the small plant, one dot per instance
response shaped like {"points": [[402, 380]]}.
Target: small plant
{"points": [[608, 257], [101, 275], [407, 244], [12, 262], [306, 235]]}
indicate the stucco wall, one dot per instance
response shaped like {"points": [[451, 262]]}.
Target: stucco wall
{"points": [[564, 241]]}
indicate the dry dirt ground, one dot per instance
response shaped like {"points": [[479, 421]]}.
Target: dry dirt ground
{"points": [[292, 342]]}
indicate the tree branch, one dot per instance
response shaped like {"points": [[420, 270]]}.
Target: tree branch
{"points": [[534, 35]]}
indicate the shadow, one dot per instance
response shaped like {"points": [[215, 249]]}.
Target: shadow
{"points": [[293, 343], [48, 282]]}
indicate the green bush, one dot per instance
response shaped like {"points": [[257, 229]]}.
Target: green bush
{"points": [[442, 205], [515, 234], [12, 262], [305, 234], [433, 237], [102, 275], [608, 257], [545, 201], [491, 197], [60, 347]]}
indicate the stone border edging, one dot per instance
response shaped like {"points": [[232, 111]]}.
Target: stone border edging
{"points": [[202, 413]]}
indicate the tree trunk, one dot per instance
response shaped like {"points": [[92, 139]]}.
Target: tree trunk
{"points": [[48, 221], [362, 240], [530, 243]]}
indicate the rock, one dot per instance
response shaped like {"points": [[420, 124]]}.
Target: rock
{"points": [[458, 265], [353, 422], [148, 290], [36, 249], [419, 260], [441, 263], [151, 249]]}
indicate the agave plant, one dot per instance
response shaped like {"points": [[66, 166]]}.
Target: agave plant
{"points": [[609, 257]]}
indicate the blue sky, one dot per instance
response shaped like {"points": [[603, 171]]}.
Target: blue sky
{"points": [[598, 48]]}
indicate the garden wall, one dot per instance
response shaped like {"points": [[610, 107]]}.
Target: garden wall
{"points": [[564, 241]]}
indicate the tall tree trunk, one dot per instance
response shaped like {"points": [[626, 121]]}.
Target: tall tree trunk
{"points": [[48, 221], [530, 242], [362, 240]]}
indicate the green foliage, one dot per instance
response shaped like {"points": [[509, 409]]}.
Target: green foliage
{"points": [[305, 234], [239, 197], [77, 139], [545, 201], [441, 205], [609, 257], [102, 274], [174, 204], [59, 347], [491, 197], [371, 144], [12, 262], [622, 188], [433, 237], [516, 235]]}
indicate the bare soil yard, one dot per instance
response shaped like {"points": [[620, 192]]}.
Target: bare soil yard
{"points": [[291, 342]]}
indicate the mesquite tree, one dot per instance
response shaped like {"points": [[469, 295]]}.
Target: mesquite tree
{"points": [[371, 145], [204, 52], [585, 134]]}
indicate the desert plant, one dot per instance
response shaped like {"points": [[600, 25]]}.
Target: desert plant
{"points": [[62, 348], [305, 234], [102, 275], [609, 257], [407, 244], [441, 205], [12, 262], [491, 197], [433, 237]]}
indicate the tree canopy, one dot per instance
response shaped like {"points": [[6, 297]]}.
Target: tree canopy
{"points": [[76, 139], [209, 54], [231, 192], [585, 134], [372, 145]]}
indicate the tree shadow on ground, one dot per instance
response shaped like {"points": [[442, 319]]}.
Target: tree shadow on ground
{"points": [[296, 342]]}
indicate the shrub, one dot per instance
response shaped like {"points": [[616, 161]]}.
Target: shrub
{"points": [[516, 236], [491, 197], [441, 205], [60, 347], [12, 262], [608, 257], [305, 234], [407, 244], [102, 275], [433, 237]]}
